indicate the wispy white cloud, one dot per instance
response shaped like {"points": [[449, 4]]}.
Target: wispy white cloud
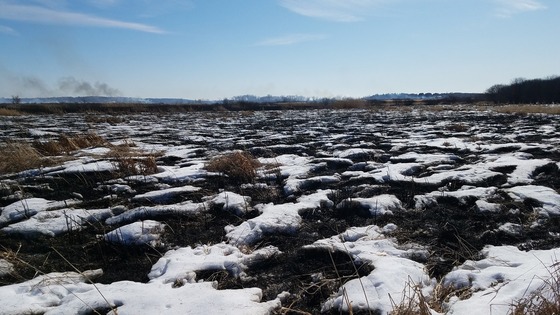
{"points": [[142, 8], [151, 8], [7, 30], [38, 14], [103, 3], [334, 10], [290, 39], [58, 4], [508, 8]]}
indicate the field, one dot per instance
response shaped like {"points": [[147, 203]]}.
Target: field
{"points": [[397, 210]]}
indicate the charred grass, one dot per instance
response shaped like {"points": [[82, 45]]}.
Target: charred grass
{"points": [[82, 250], [453, 231]]}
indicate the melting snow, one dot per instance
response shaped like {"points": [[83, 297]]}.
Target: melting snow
{"points": [[377, 205], [275, 218], [497, 162], [393, 269], [26, 208], [232, 202], [503, 277], [56, 222], [70, 293], [137, 233], [164, 194], [549, 198], [183, 263]]}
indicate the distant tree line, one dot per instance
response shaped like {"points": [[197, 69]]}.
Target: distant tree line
{"points": [[526, 91]]}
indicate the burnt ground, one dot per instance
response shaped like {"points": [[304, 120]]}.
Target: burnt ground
{"points": [[452, 230]]}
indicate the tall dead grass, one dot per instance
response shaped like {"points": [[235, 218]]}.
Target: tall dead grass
{"points": [[349, 104], [16, 157], [526, 109], [239, 166], [128, 160], [544, 301], [66, 144], [20, 156], [9, 112], [414, 302]]}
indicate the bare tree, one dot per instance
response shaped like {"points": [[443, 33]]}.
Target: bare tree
{"points": [[16, 99]]}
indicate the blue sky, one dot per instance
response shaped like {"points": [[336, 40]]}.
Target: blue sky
{"points": [[213, 49]]}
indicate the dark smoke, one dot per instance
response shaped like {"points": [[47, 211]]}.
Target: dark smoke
{"points": [[71, 85], [35, 85]]}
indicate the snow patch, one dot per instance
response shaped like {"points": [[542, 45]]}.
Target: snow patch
{"points": [[26, 208], [275, 218], [142, 213], [164, 194], [377, 205], [183, 263], [68, 293], [233, 202], [549, 198], [55, 222], [503, 276], [393, 270], [137, 233]]}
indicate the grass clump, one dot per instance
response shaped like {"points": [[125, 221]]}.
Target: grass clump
{"points": [[414, 302], [349, 104], [9, 112], [527, 109], [128, 160], [239, 166], [109, 119], [17, 157], [129, 165], [64, 145], [457, 127], [20, 156]]}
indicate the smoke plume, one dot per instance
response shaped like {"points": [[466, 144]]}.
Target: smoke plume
{"points": [[72, 86]]}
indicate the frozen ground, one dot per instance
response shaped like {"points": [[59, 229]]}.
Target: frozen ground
{"points": [[350, 209]]}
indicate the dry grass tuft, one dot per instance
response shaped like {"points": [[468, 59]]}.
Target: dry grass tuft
{"points": [[239, 166], [130, 161], [9, 112], [17, 157], [527, 109], [457, 127], [442, 293], [415, 303], [20, 156], [128, 165], [349, 104], [83, 141], [109, 119], [66, 144], [12, 257]]}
